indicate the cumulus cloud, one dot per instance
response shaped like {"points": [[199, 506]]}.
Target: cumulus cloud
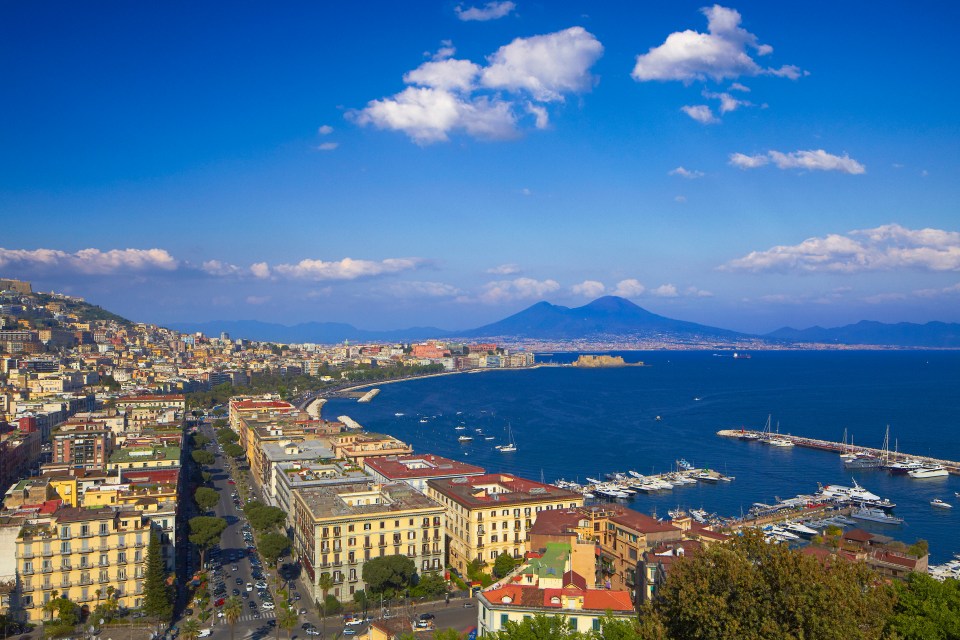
{"points": [[260, 270], [629, 288], [417, 289], [726, 51], [720, 54], [446, 50], [324, 130], [346, 269], [517, 289], [489, 11], [504, 270], [89, 261], [884, 248], [698, 293], [589, 289], [327, 146], [665, 291], [449, 95], [728, 103], [685, 173], [811, 160], [701, 113], [218, 268]]}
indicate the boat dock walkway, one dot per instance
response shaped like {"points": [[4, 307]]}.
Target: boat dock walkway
{"points": [[369, 395], [350, 422], [797, 515], [839, 447]]}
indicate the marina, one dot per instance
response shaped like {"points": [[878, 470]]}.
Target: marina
{"points": [[919, 466]]}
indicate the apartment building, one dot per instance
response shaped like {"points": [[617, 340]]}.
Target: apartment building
{"points": [[491, 514], [339, 528], [416, 470]]}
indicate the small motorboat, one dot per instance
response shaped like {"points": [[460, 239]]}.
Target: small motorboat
{"points": [[940, 504]]}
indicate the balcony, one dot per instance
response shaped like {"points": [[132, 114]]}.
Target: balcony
{"points": [[66, 584], [86, 581], [27, 572], [47, 570], [139, 544], [27, 555], [47, 553], [103, 533], [86, 534], [104, 579]]}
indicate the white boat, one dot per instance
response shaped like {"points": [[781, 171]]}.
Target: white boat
{"points": [[424, 421], [940, 504], [511, 446], [465, 438], [780, 442], [459, 428], [587, 494], [594, 481], [929, 471], [398, 414], [639, 476], [876, 515], [856, 492], [489, 438], [800, 529], [706, 476]]}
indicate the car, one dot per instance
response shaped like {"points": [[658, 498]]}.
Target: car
{"points": [[349, 632], [427, 616], [467, 604], [252, 604], [236, 568], [249, 587], [268, 604], [353, 621], [256, 615], [313, 631], [239, 581], [262, 585], [188, 612], [303, 612], [306, 625], [220, 613], [218, 603], [296, 596], [236, 591], [205, 633], [245, 595], [231, 482]]}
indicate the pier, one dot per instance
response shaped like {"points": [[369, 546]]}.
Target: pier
{"points": [[839, 447], [369, 395], [350, 423]]}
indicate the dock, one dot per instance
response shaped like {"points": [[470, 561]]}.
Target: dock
{"points": [[350, 423], [839, 447], [369, 395]]}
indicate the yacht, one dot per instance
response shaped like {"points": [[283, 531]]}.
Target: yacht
{"points": [[459, 428], [800, 529], [940, 504], [929, 471], [511, 446], [903, 467], [875, 515], [856, 492], [861, 461], [465, 438], [780, 442], [684, 465]]}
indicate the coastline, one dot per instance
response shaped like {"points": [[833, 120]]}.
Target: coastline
{"points": [[445, 373]]}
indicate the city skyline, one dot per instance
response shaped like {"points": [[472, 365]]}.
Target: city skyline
{"points": [[740, 165]]}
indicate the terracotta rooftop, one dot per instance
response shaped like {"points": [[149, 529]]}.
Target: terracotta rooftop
{"points": [[500, 489], [420, 466]]}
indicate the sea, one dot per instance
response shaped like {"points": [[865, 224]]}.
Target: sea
{"points": [[574, 423]]}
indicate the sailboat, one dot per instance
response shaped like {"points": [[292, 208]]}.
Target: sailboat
{"points": [[511, 445]]}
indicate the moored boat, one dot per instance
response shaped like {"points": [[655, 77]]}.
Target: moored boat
{"points": [[940, 504], [929, 471], [875, 515]]}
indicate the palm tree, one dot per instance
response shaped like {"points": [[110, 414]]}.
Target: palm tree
{"points": [[190, 629], [287, 618], [232, 610], [325, 583]]}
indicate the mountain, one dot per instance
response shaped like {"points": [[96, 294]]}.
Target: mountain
{"points": [[317, 332], [608, 316], [935, 335]]}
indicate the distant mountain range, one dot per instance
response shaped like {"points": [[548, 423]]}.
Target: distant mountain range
{"points": [[605, 318]]}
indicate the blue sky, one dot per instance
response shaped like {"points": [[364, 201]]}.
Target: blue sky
{"points": [[746, 165]]}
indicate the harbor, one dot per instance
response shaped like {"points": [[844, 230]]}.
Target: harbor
{"points": [[885, 457]]}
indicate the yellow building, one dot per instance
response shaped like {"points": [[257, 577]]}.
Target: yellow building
{"points": [[490, 514], [357, 447], [79, 553], [155, 457], [337, 528]]}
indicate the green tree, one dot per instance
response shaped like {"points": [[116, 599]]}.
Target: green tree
{"points": [[919, 548], [325, 582], [206, 498], [157, 595], [203, 458], [389, 573], [262, 517], [430, 585], [190, 629], [361, 599], [539, 627], [205, 532], [332, 606], [926, 609], [233, 450], [232, 610], [749, 590], [227, 435], [272, 546], [200, 440], [503, 565], [287, 618]]}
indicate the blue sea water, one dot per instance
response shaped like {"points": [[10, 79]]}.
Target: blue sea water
{"points": [[572, 423]]}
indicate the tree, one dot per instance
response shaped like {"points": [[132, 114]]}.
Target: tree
{"points": [[389, 573], [205, 532], [747, 589], [430, 585], [203, 458], [325, 582], [233, 450], [157, 596], [232, 610], [926, 609], [200, 440], [190, 629], [287, 619], [919, 548], [332, 606], [262, 517], [361, 599], [503, 565], [539, 627], [272, 546], [206, 498], [227, 435]]}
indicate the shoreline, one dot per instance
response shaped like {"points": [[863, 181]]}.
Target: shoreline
{"points": [[444, 373]]}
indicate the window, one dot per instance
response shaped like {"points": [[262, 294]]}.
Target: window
{"points": [[596, 624], [504, 618], [366, 526], [573, 623], [350, 528]]}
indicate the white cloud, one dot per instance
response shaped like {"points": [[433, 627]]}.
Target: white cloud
{"points": [[727, 102], [817, 159], [736, 86], [416, 289], [748, 162], [446, 50], [490, 11], [629, 288], [90, 261], [665, 291], [449, 74], [218, 268], [680, 199], [589, 289], [701, 113], [504, 270], [884, 248], [447, 95], [327, 146], [721, 53], [517, 289], [686, 173], [346, 269], [258, 299], [698, 293], [324, 130], [547, 66], [260, 270]]}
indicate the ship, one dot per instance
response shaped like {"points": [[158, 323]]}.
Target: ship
{"points": [[861, 461], [875, 515], [465, 438], [929, 471]]}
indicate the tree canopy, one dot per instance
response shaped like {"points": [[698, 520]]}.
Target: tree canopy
{"points": [[233, 450], [927, 609], [226, 435], [503, 565], [389, 573], [206, 498], [272, 546], [263, 517], [157, 595], [205, 532], [203, 458]]}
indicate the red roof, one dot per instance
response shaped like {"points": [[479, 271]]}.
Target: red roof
{"points": [[262, 404], [602, 600]]}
